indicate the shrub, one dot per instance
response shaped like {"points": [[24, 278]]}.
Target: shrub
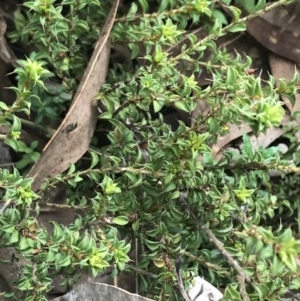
{"points": [[141, 178]]}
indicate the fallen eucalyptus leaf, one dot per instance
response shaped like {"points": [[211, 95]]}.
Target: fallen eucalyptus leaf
{"points": [[73, 137], [6, 54], [234, 133], [275, 32], [99, 292], [2, 26], [266, 139]]}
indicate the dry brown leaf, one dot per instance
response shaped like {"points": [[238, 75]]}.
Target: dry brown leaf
{"points": [[284, 68], [100, 292], [278, 30], [6, 54], [266, 139], [201, 109], [286, 17], [270, 136], [73, 137], [234, 133], [2, 26]]}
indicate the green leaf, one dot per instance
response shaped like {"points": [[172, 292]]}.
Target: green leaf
{"points": [[133, 9], [238, 27], [262, 291], [51, 255], [12, 143], [251, 5], [95, 159], [62, 260], [290, 262], [152, 245], [267, 252], [182, 106], [235, 11], [144, 5], [175, 195], [152, 191], [213, 126], [14, 237], [71, 169], [247, 147], [134, 50], [3, 106], [82, 24], [230, 76], [217, 14], [136, 226], [157, 105], [232, 293], [286, 236], [277, 265], [120, 220], [105, 115], [16, 125]]}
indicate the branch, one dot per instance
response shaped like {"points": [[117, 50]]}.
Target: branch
{"points": [[180, 282], [227, 28], [213, 239], [142, 272], [203, 262], [243, 291]]}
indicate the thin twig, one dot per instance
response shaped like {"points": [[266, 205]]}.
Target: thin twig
{"points": [[235, 38], [242, 286], [203, 262], [185, 38], [213, 239], [136, 254], [180, 282], [121, 107], [63, 206], [142, 272], [41, 130]]}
